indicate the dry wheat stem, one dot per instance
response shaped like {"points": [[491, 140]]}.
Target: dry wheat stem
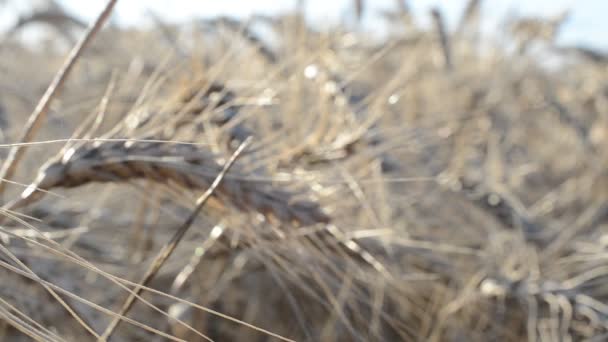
{"points": [[61, 301], [123, 283], [35, 120], [22, 322], [469, 15], [189, 167], [69, 294], [443, 38]]}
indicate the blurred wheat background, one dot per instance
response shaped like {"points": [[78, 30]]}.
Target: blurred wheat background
{"points": [[268, 178]]}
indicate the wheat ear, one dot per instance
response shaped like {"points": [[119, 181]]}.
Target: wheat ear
{"points": [[188, 166]]}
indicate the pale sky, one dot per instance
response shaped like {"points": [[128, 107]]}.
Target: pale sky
{"points": [[586, 25]]}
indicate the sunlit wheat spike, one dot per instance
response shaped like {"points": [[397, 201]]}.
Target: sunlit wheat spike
{"points": [[188, 166]]}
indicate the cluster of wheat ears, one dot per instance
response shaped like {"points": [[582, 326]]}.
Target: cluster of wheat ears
{"points": [[204, 182]]}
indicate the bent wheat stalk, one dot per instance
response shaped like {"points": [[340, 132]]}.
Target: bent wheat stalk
{"points": [[188, 166]]}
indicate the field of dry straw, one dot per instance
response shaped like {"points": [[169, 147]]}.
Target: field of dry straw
{"points": [[265, 180]]}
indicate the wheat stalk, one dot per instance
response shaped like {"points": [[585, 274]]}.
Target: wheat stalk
{"points": [[35, 120], [570, 302], [188, 166], [444, 38]]}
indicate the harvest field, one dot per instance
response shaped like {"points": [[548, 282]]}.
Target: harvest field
{"points": [[266, 180]]}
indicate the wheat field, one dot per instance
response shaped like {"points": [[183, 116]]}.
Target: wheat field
{"points": [[201, 181]]}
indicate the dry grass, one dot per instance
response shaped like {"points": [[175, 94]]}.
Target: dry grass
{"points": [[430, 185]]}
